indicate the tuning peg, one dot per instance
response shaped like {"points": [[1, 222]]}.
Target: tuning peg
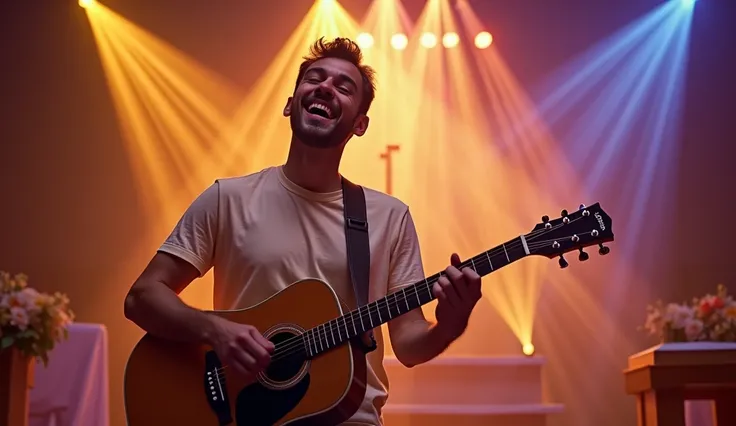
{"points": [[565, 219], [545, 219], [603, 250], [582, 206], [563, 262], [583, 255]]}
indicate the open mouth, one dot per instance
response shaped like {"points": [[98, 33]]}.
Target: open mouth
{"points": [[320, 110]]}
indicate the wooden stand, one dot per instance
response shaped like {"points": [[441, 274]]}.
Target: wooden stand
{"points": [[665, 376], [16, 380]]}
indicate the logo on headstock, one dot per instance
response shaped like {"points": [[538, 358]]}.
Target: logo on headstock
{"points": [[600, 221]]}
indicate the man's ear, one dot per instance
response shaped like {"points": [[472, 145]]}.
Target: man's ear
{"points": [[361, 125], [287, 107]]}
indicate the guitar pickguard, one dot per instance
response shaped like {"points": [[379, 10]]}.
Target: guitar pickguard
{"points": [[258, 405], [277, 392]]}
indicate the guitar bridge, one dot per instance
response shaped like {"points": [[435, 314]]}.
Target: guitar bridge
{"points": [[215, 390]]}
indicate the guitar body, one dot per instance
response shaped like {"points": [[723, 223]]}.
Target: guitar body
{"points": [[172, 383]]}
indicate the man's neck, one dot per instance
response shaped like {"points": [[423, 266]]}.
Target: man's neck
{"points": [[314, 169]]}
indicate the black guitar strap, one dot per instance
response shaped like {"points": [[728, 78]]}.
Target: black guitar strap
{"points": [[358, 247]]}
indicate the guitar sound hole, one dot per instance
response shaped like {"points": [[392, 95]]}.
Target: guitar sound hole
{"points": [[289, 363]]}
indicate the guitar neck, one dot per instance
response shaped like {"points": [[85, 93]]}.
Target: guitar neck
{"points": [[339, 330]]}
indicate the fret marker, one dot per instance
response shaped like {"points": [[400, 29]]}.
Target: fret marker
{"points": [[406, 299], [472, 262], [523, 242], [506, 253], [416, 292], [362, 326]]}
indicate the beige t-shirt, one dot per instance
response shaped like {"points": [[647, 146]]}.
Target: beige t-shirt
{"points": [[262, 232]]}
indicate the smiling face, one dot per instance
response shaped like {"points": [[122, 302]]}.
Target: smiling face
{"points": [[325, 109]]}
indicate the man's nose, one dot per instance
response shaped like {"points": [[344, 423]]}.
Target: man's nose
{"points": [[325, 90]]}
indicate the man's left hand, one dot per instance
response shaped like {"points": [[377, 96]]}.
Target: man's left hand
{"points": [[457, 292]]}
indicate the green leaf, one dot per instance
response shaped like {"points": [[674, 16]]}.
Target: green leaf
{"points": [[28, 333], [6, 342]]}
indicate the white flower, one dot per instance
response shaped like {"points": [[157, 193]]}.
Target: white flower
{"points": [[19, 317], [678, 315], [693, 329], [28, 298], [653, 322]]}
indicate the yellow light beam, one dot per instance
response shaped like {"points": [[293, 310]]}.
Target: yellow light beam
{"points": [[259, 122], [171, 111]]}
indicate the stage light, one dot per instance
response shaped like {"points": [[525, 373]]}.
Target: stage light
{"points": [[86, 3], [428, 40], [688, 3], [483, 40], [528, 349], [399, 41], [364, 40], [450, 40]]}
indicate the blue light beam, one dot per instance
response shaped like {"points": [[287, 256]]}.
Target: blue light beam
{"points": [[615, 110]]}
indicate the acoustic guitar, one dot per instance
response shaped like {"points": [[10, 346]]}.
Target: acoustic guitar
{"points": [[318, 368]]}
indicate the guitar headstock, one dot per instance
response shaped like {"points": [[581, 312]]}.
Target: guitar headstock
{"points": [[588, 226]]}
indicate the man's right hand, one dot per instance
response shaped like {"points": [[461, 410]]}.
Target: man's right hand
{"points": [[241, 347]]}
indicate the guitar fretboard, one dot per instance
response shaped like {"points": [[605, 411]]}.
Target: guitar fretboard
{"points": [[339, 330]]}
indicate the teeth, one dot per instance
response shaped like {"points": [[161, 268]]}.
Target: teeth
{"points": [[322, 107]]}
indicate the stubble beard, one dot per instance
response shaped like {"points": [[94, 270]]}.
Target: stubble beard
{"points": [[316, 136]]}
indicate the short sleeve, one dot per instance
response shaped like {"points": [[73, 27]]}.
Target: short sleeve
{"points": [[193, 238], [406, 257]]}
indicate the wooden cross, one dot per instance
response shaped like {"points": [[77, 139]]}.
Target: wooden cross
{"points": [[387, 156]]}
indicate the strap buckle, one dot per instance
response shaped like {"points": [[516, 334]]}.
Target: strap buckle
{"points": [[358, 224]]}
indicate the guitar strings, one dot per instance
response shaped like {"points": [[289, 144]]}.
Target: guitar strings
{"points": [[300, 347], [298, 344]]}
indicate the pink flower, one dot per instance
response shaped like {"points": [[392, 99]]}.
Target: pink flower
{"points": [[28, 298], [693, 329], [19, 317]]}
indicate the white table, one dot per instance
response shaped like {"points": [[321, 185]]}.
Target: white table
{"points": [[74, 389]]}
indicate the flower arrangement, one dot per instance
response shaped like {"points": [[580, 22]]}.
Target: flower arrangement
{"points": [[30, 321], [708, 318]]}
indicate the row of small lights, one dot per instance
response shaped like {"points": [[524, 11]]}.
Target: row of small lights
{"points": [[428, 40]]}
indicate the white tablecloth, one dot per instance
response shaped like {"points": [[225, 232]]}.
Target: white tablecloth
{"points": [[699, 413], [73, 389]]}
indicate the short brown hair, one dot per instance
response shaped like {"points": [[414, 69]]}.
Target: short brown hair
{"points": [[346, 49]]}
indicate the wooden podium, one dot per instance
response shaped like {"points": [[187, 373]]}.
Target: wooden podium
{"points": [[16, 380], [667, 375]]}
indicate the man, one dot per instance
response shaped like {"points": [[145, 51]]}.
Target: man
{"points": [[263, 231]]}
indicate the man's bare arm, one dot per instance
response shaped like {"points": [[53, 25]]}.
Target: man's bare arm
{"points": [[154, 305]]}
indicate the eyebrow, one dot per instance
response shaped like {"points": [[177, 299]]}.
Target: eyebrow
{"points": [[341, 76]]}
